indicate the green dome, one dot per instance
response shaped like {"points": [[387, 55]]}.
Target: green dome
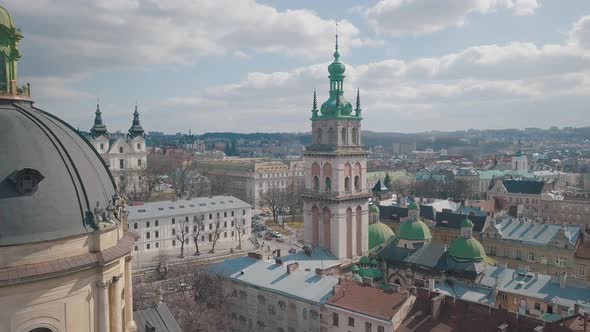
{"points": [[336, 68], [378, 234], [413, 206], [467, 248], [373, 208], [6, 19], [355, 268], [466, 223], [365, 260], [414, 230]]}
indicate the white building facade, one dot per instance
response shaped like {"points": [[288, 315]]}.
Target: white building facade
{"points": [[125, 155], [162, 224]]}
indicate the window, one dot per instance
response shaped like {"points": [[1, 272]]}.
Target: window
{"points": [[121, 163], [243, 212], [518, 254], [121, 149], [210, 216], [157, 244], [147, 246], [134, 225], [232, 223], [225, 214], [347, 184], [351, 321], [232, 213], [368, 327], [261, 299], [537, 306], [380, 328], [581, 270], [492, 250], [186, 229], [260, 324], [224, 234], [135, 248], [157, 234], [174, 243], [282, 305], [147, 235], [173, 221], [186, 218], [138, 146], [173, 231], [147, 224], [357, 183], [225, 224], [328, 184], [560, 261], [316, 183], [531, 256], [156, 223], [334, 319], [194, 229], [314, 314], [101, 146], [139, 162], [210, 226]]}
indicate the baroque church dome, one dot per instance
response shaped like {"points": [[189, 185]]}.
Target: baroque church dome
{"points": [[379, 233], [51, 179], [467, 248]]}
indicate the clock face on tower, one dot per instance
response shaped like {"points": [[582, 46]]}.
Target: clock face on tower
{"points": [[336, 196]]}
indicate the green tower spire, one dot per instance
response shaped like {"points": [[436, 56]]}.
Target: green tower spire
{"points": [[314, 109], [336, 105], [9, 53]]}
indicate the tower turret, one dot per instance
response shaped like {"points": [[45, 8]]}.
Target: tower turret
{"points": [[99, 128], [136, 129]]}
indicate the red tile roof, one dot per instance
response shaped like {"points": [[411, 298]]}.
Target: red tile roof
{"points": [[368, 300]]}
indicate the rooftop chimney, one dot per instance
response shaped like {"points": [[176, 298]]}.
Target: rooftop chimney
{"points": [[319, 271], [292, 267], [562, 279]]}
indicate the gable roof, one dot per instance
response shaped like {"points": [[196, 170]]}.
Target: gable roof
{"points": [[524, 186], [396, 213], [159, 316], [534, 233], [453, 220]]}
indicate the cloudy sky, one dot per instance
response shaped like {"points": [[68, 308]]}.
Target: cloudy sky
{"points": [[247, 66]]}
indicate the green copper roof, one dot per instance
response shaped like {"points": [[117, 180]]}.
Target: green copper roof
{"points": [[373, 208], [378, 234], [414, 230], [466, 223], [365, 260], [337, 106], [370, 273], [6, 19], [467, 248], [355, 268], [413, 206]]}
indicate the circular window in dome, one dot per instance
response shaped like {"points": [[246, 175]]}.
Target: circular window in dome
{"points": [[26, 180]]}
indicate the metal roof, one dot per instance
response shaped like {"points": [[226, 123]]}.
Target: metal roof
{"points": [[196, 205], [159, 316], [535, 233], [75, 178], [302, 283]]}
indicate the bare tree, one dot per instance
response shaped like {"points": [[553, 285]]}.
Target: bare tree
{"points": [[219, 184], [199, 225], [216, 233], [274, 199], [241, 229], [182, 236], [293, 200], [157, 166]]}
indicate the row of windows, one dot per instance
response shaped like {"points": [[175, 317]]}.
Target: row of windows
{"points": [[280, 175], [122, 163], [209, 239], [351, 322], [559, 260], [328, 184], [195, 219]]}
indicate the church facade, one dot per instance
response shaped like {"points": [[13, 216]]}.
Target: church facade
{"points": [[125, 154], [335, 196]]}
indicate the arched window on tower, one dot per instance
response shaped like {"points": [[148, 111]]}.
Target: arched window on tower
{"points": [[328, 185], [316, 183], [331, 136], [318, 137], [355, 140], [343, 136], [357, 183], [347, 184]]}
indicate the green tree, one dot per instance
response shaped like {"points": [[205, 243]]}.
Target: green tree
{"points": [[387, 180]]}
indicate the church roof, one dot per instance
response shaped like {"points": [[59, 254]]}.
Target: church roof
{"points": [[524, 186], [379, 187], [373, 208], [414, 230], [467, 248], [70, 176], [379, 233]]}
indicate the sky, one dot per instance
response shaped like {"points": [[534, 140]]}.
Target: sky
{"points": [[252, 66]]}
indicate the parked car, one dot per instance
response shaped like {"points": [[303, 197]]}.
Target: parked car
{"points": [[292, 251], [280, 239]]}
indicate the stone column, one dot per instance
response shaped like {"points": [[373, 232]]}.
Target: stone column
{"points": [[117, 323], [130, 324], [103, 305]]}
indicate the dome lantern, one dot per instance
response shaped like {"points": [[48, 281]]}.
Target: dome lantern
{"points": [[10, 36]]}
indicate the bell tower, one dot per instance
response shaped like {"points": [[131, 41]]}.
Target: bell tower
{"points": [[336, 194]]}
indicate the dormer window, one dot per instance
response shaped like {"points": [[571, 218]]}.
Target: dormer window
{"points": [[26, 180], [121, 149]]}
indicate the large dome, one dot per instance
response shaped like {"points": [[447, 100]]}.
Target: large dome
{"points": [[414, 230], [467, 249], [378, 234], [51, 179]]}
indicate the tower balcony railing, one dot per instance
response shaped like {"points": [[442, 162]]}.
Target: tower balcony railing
{"points": [[336, 195]]}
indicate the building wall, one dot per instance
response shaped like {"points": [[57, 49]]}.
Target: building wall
{"points": [[248, 307], [163, 237], [347, 317], [567, 211]]}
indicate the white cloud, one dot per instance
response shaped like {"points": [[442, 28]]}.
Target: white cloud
{"points": [[511, 85], [416, 17], [71, 36]]}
